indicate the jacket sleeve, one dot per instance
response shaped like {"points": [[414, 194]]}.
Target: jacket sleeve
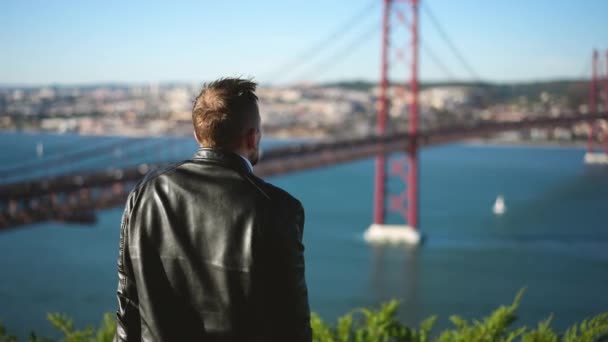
{"points": [[128, 325], [293, 312], [303, 317]]}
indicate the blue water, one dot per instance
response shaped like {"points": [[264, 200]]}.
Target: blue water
{"points": [[553, 240]]}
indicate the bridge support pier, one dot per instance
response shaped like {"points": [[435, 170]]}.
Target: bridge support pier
{"points": [[596, 158], [392, 234]]}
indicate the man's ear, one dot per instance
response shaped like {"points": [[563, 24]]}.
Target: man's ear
{"points": [[196, 138]]}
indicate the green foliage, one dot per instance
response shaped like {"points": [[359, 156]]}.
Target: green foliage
{"points": [[381, 325], [492, 328], [593, 329], [542, 333], [368, 325], [106, 331], [321, 332], [65, 325], [4, 336]]}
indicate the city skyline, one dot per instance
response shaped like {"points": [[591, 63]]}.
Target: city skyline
{"points": [[70, 42]]}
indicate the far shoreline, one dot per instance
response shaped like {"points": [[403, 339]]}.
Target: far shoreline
{"points": [[278, 137], [525, 143], [474, 142]]}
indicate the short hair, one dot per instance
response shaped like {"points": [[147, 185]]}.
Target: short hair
{"points": [[223, 110]]}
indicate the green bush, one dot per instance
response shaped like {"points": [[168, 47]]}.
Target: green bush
{"points": [[64, 324], [381, 325], [366, 325]]}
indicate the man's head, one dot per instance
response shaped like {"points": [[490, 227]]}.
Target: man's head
{"points": [[225, 116]]}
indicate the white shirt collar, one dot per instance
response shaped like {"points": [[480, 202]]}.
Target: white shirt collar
{"points": [[249, 166]]}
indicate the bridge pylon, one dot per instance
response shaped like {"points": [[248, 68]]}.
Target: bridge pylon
{"points": [[597, 131], [406, 203]]}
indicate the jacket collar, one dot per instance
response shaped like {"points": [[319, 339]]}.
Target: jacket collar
{"points": [[226, 158]]}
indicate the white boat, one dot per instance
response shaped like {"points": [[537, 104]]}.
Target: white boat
{"points": [[39, 150], [499, 206]]}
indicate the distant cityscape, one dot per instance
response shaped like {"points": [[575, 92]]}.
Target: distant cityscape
{"points": [[337, 110]]}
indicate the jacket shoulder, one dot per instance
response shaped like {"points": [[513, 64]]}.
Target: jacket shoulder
{"points": [[274, 193], [147, 179], [153, 174], [282, 195]]}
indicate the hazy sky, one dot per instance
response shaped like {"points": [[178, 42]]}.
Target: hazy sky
{"points": [[81, 41]]}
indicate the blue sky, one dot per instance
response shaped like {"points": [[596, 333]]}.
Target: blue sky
{"points": [[70, 42]]}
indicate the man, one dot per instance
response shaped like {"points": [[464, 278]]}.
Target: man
{"points": [[208, 251]]}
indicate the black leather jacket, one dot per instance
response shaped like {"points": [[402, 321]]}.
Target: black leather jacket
{"points": [[210, 252]]}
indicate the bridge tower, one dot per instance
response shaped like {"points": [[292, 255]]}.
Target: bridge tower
{"points": [[406, 203], [595, 130], [605, 128]]}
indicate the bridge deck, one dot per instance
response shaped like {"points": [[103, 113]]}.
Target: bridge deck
{"points": [[54, 198]]}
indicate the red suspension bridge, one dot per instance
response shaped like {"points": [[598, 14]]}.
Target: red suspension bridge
{"points": [[76, 194]]}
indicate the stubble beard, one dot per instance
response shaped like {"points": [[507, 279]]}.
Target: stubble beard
{"points": [[255, 156]]}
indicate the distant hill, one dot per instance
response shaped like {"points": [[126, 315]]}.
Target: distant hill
{"points": [[575, 91]]}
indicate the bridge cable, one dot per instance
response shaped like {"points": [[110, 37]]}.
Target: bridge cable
{"points": [[429, 13], [338, 57], [585, 73], [429, 52], [306, 55]]}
